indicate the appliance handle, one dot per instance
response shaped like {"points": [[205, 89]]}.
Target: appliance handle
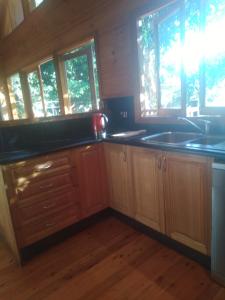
{"points": [[105, 118]]}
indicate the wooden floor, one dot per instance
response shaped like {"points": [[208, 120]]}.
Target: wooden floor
{"points": [[109, 260]]}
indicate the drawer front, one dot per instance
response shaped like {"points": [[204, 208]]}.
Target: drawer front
{"points": [[46, 226], [28, 188], [42, 166], [36, 208]]}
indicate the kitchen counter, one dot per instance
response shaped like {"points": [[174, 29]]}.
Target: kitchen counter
{"points": [[43, 148], [209, 151], [62, 144]]}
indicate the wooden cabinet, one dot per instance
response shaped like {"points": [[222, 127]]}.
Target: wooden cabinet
{"points": [[92, 178], [119, 178], [167, 191], [147, 187], [187, 183], [43, 195]]}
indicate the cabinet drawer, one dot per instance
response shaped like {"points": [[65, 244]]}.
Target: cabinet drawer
{"points": [[28, 188], [36, 208], [47, 225], [42, 166]]}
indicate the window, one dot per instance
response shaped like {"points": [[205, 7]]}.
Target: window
{"points": [[4, 114], [81, 79], [43, 90], [16, 97], [181, 58], [34, 3]]}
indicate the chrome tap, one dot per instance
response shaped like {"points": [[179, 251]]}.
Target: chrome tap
{"points": [[206, 124]]}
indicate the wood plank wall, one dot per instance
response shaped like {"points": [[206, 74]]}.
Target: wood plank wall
{"points": [[11, 15], [60, 23]]}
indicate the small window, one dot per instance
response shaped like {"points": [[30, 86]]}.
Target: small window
{"points": [[16, 97], [43, 90], [34, 3], [81, 79], [4, 114], [182, 59]]}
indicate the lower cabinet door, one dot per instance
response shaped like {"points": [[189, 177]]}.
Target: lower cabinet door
{"points": [[92, 177], [118, 177], [188, 200], [148, 187]]}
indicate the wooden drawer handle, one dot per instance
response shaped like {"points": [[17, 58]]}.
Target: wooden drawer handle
{"points": [[47, 186]]}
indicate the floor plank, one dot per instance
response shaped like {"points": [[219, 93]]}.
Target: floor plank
{"points": [[109, 260]]}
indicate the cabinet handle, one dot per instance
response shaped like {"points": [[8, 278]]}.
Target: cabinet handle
{"points": [[164, 164], [49, 225], [44, 166], [47, 186], [159, 163], [124, 156], [49, 206]]}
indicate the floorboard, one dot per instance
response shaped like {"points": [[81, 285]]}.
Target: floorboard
{"points": [[110, 261]]}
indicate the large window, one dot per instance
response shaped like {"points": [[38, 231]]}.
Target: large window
{"points": [[81, 79], [43, 90], [181, 57], [16, 97], [63, 85]]}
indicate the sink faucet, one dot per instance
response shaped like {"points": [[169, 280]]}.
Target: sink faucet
{"points": [[205, 122]]}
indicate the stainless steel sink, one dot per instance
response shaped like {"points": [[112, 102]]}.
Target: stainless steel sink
{"points": [[172, 138], [208, 141]]}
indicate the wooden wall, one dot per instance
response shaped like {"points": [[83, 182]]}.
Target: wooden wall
{"points": [[11, 16], [60, 23]]}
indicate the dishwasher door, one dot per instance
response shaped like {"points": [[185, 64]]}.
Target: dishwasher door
{"points": [[218, 223]]}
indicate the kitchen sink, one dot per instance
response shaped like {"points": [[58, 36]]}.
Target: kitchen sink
{"points": [[171, 137], [208, 141]]}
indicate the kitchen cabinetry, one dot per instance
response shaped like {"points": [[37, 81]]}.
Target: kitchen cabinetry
{"points": [[118, 171], [43, 195], [93, 181], [187, 182], [147, 187], [167, 191]]}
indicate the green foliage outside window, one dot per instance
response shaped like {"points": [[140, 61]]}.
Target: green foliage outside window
{"points": [[182, 57]]}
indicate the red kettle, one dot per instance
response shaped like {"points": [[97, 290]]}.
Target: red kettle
{"points": [[99, 121]]}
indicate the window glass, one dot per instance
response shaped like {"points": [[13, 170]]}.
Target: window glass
{"points": [[4, 114], [214, 54], [169, 43], [147, 65], [35, 94], [38, 2], [43, 90], [50, 91], [34, 3], [192, 56], [78, 81], [16, 97], [182, 58], [82, 79]]}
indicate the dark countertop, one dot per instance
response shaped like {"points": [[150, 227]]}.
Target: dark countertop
{"points": [[43, 148]]}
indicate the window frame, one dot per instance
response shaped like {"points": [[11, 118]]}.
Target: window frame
{"points": [[60, 80], [88, 53], [37, 68], [10, 107]]}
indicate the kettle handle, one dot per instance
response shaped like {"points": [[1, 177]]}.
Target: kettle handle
{"points": [[105, 118]]}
